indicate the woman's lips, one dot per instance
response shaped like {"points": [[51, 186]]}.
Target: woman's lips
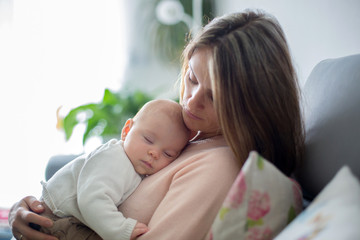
{"points": [[188, 113]]}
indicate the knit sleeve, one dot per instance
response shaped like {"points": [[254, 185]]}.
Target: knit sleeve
{"points": [[196, 193], [103, 183]]}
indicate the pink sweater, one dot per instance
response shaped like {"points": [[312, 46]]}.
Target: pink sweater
{"points": [[181, 201]]}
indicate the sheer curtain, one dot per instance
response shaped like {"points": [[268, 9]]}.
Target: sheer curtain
{"points": [[52, 54]]}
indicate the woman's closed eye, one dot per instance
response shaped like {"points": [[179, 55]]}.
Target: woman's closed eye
{"points": [[191, 78], [210, 96]]}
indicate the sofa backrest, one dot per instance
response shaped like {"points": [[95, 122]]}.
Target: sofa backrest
{"points": [[331, 104]]}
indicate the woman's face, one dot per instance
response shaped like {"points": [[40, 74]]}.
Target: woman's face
{"points": [[198, 107]]}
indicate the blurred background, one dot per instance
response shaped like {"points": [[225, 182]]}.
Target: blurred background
{"points": [[100, 57]]}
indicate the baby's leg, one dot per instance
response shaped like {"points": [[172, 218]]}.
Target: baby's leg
{"points": [[78, 230], [68, 228]]}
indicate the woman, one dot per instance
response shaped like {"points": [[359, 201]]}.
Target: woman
{"points": [[239, 91]]}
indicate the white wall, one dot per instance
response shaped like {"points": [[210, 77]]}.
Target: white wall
{"points": [[315, 29]]}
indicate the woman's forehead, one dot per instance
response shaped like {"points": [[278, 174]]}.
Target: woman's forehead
{"points": [[199, 66]]}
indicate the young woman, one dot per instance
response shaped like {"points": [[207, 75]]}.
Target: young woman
{"points": [[239, 91]]}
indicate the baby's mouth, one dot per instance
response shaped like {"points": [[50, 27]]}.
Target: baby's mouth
{"points": [[146, 163]]}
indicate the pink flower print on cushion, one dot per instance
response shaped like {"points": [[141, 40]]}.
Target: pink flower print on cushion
{"points": [[236, 194], [267, 234], [256, 233], [259, 205], [253, 234]]}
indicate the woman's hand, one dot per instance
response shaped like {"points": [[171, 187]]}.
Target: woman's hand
{"points": [[25, 212], [139, 229]]}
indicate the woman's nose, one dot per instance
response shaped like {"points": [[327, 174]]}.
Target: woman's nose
{"points": [[154, 154], [197, 99]]}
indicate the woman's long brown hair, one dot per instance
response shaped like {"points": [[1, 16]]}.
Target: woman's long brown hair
{"points": [[255, 87]]}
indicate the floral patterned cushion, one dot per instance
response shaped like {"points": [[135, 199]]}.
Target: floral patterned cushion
{"points": [[261, 202], [334, 213]]}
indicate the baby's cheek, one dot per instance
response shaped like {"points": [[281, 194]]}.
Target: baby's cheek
{"points": [[163, 164]]}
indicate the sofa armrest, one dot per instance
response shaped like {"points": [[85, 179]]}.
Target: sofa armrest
{"points": [[57, 162], [332, 116]]}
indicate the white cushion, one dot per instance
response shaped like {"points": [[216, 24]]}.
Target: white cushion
{"points": [[334, 213]]}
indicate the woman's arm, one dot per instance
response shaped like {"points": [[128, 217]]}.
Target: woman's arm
{"points": [[25, 212], [194, 198]]}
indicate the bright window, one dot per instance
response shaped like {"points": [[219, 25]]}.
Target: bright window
{"points": [[52, 53]]}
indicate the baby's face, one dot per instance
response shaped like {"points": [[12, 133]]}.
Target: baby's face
{"points": [[153, 143]]}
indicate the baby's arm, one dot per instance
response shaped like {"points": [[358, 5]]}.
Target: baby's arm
{"points": [[102, 183]]}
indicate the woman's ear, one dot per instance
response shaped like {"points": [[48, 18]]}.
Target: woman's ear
{"points": [[126, 128]]}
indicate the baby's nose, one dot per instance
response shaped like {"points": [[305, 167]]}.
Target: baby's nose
{"points": [[154, 154]]}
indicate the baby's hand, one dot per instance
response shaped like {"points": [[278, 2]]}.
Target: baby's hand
{"points": [[139, 229]]}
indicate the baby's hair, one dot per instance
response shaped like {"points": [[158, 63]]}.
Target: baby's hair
{"points": [[166, 106]]}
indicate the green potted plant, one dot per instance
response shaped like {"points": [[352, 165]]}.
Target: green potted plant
{"points": [[105, 118]]}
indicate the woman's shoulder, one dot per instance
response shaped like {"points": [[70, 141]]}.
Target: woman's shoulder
{"points": [[208, 144], [209, 153], [214, 145]]}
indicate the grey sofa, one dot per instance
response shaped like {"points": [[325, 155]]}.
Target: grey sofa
{"points": [[331, 104]]}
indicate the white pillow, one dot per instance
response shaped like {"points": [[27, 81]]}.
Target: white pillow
{"points": [[261, 202], [334, 213]]}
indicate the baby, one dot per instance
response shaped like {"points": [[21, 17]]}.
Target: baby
{"points": [[91, 187]]}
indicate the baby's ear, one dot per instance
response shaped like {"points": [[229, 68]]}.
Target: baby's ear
{"points": [[126, 128]]}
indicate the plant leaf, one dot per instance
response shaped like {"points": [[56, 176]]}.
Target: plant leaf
{"points": [[108, 115]]}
